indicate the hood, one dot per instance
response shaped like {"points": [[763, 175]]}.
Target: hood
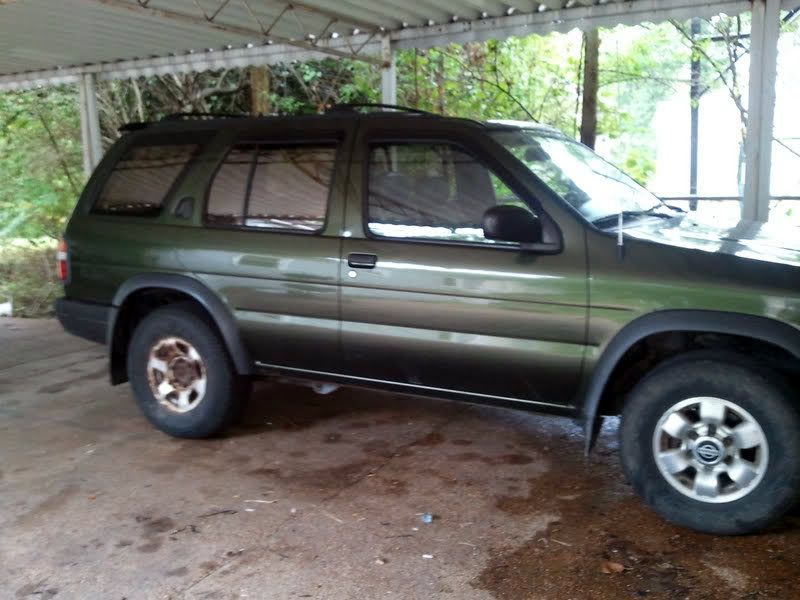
{"points": [[747, 239]]}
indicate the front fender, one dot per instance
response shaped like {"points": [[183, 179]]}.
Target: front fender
{"points": [[764, 329]]}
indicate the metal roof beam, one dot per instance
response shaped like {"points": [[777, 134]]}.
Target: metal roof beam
{"points": [[563, 20], [186, 63], [364, 46], [255, 34]]}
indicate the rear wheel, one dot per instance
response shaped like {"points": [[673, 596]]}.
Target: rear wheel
{"points": [[181, 374], [711, 443]]}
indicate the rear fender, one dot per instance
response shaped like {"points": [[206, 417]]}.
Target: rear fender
{"points": [[217, 310]]}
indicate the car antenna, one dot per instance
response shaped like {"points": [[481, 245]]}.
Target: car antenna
{"points": [[620, 236]]}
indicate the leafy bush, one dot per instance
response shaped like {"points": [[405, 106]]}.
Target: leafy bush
{"points": [[28, 277], [40, 168]]}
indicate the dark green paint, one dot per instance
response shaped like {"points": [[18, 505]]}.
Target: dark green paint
{"points": [[472, 321]]}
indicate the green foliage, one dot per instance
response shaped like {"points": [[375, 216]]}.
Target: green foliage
{"points": [[41, 166], [28, 276], [531, 79], [639, 67], [539, 78], [313, 86]]}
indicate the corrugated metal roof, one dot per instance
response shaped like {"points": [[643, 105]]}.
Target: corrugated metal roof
{"points": [[58, 39]]}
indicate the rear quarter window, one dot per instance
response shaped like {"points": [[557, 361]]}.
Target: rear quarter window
{"points": [[141, 180], [273, 187]]}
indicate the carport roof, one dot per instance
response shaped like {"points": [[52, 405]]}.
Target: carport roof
{"points": [[44, 42]]}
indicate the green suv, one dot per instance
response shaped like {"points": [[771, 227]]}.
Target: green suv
{"points": [[496, 262]]}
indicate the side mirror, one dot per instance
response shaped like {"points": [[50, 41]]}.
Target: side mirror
{"points": [[509, 223]]}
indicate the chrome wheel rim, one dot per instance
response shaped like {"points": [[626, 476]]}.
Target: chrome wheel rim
{"points": [[710, 449], [177, 374]]}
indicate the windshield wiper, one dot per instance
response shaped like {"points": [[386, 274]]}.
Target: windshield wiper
{"points": [[629, 214]]}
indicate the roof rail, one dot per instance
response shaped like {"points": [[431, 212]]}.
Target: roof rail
{"points": [[352, 106], [134, 126], [202, 116]]}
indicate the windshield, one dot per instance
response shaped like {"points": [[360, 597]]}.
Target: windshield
{"points": [[596, 188]]}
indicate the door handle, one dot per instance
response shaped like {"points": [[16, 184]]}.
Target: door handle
{"points": [[359, 260]]}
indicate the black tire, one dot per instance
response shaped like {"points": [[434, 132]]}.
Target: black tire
{"points": [[760, 392], [225, 392]]}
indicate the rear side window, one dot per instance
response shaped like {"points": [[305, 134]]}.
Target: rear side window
{"points": [[142, 179], [273, 187]]}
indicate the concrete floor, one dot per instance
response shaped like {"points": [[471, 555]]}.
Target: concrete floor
{"points": [[321, 496]]}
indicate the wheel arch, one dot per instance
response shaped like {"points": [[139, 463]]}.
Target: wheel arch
{"points": [[188, 287], [762, 329]]}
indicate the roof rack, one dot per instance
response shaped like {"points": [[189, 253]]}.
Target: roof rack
{"points": [[201, 116], [352, 106], [135, 126]]}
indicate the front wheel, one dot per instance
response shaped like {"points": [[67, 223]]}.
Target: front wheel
{"points": [[712, 444], [181, 374]]}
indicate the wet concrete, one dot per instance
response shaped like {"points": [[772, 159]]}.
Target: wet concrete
{"points": [[320, 497]]}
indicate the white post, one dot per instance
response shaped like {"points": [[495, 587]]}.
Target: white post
{"points": [[388, 72], [764, 33], [90, 123]]}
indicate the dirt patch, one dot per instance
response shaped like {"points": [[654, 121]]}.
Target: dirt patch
{"points": [[265, 472], [466, 456], [607, 545], [151, 532], [380, 448], [47, 506], [434, 438], [36, 590], [504, 459], [392, 487], [509, 459], [316, 479], [57, 388]]}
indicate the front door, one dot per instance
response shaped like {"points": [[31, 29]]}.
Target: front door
{"points": [[428, 302]]}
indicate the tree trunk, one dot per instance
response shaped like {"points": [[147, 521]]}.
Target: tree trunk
{"points": [[439, 74], [259, 90], [591, 60]]}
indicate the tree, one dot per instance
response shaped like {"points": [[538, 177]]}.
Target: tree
{"points": [[41, 167], [150, 98], [591, 81]]}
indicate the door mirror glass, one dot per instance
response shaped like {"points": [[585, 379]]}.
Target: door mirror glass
{"points": [[510, 223]]}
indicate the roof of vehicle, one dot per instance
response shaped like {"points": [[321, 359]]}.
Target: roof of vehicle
{"points": [[531, 125], [379, 111]]}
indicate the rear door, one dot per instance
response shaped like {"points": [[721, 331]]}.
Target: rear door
{"points": [[427, 301], [269, 241]]}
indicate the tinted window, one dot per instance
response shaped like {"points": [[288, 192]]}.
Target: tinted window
{"points": [[141, 180], [229, 189], [431, 191], [273, 187]]}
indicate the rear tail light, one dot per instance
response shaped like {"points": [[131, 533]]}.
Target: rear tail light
{"points": [[62, 259]]}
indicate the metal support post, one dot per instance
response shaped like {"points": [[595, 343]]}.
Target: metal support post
{"points": [[388, 72], [764, 33], [90, 123]]}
